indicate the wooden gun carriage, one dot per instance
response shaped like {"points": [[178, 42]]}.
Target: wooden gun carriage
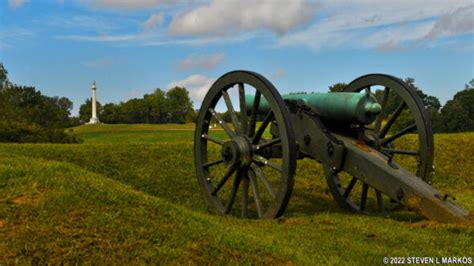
{"points": [[248, 169]]}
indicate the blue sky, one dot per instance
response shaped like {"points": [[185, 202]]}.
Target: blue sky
{"points": [[131, 47]]}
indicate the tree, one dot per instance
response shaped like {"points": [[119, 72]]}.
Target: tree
{"points": [[457, 115], [338, 87], [454, 118], [85, 110], [110, 114], [466, 98], [134, 111], [430, 102], [156, 105], [192, 116], [469, 85], [178, 104], [3, 76], [26, 104], [28, 116]]}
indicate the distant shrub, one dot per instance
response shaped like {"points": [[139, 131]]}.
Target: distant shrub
{"points": [[32, 133]]}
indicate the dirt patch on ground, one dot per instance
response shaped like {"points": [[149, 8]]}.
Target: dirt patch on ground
{"points": [[328, 222], [469, 221], [433, 224], [425, 223], [37, 191], [2, 223], [26, 200]]}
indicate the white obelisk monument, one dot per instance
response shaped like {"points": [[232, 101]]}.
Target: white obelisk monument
{"points": [[94, 119]]}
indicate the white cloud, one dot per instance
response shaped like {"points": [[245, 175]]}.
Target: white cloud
{"points": [[384, 25], [224, 17], [200, 61], [153, 20], [364, 24], [155, 41], [101, 38], [10, 37], [196, 84], [130, 4], [397, 37], [86, 22], [147, 38], [14, 4], [458, 22]]}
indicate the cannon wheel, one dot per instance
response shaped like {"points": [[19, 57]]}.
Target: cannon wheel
{"points": [[239, 155], [379, 138]]}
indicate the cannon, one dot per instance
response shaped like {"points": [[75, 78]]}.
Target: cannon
{"points": [[247, 168]]}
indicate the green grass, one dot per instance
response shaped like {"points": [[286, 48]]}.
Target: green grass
{"points": [[129, 194], [137, 133]]}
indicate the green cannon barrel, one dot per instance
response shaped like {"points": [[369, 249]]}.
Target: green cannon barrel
{"points": [[335, 106]]}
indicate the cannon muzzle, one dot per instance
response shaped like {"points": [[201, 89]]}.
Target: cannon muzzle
{"points": [[343, 107]]}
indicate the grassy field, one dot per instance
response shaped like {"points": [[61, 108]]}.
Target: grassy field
{"points": [[129, 194]]}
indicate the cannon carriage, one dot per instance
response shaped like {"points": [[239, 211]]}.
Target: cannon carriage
{"points": [[248, 169]]}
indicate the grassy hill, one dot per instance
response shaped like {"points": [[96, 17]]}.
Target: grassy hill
{"points": [[129, 194]]}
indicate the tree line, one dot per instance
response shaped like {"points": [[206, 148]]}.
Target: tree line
{"points": [[457, 115], [28, 116], [173, 106]]}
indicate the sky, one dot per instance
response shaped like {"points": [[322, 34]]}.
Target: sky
{"points": [[131, 47]]}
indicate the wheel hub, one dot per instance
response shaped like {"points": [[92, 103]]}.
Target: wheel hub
{"points": [[237, 151]]}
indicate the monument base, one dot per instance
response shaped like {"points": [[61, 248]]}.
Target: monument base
{"points": [[94, 120]]}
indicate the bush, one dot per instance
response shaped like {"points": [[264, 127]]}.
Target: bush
{"points": [[32, 133]]}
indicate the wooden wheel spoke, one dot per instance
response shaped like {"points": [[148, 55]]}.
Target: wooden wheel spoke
{"points": [[243, 109], [268, 143], [349, 188], [264, 179], [391, 120], [235, 188], [253, 115], [380, 206], [213, 139], [222, 123], [256, 193], [381, 116], [363, 197], [245, 194], [400, 133], [212, 163], [224, 179], [263, 160], [263, 126], [404, 152], [233, 115]]}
